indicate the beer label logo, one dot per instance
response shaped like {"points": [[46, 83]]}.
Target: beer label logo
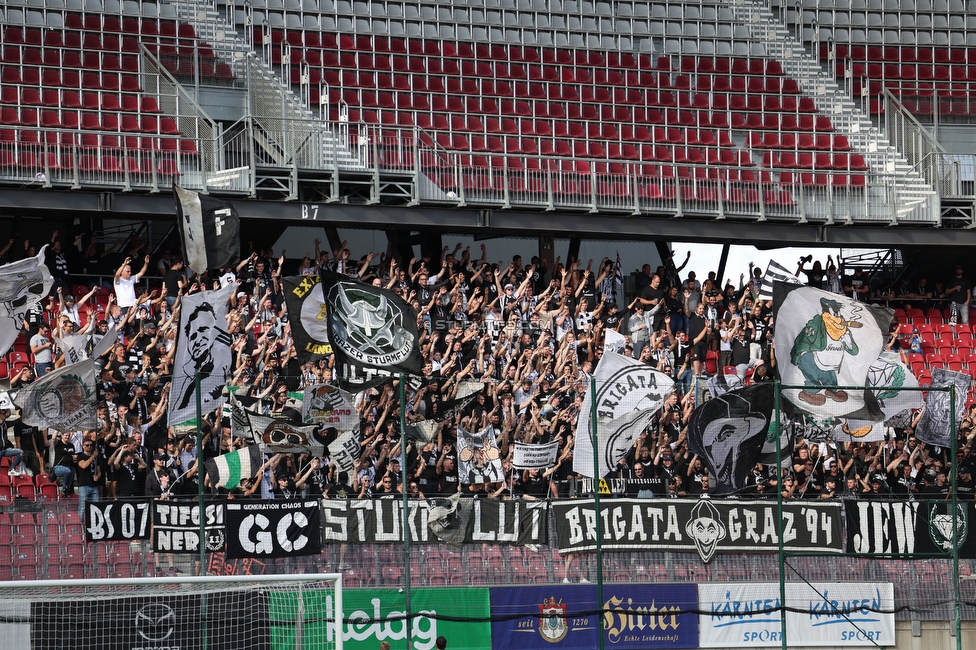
{"points": [[552, 620]]}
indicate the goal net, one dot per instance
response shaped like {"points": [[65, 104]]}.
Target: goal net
{"points": [[281, 612]]}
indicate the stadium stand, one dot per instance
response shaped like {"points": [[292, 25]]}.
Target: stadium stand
{"points": [[644, 108]]}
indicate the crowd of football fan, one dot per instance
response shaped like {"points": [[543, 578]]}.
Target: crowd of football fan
{"points": [[532, 334]]}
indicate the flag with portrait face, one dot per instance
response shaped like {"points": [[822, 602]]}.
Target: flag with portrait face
{"points": [[373, 332], [728, 433], [479, 460], [203, 348]]}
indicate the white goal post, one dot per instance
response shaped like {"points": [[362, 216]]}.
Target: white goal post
{"points": [[264, 612]]}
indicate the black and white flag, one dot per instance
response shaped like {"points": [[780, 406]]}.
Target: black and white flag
{"points": [[203, 347], [210, 229], [628, 394], [278, 528], [775, 272], [23, 284], [479, 460], [63, 399], [729, 431], [372, 330], [938, 421], [308, 317]]}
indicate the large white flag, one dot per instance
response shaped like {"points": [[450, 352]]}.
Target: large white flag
{"points": [[23, 284], [896, 390], [826, 343], [204, 348], [63, 399], [628, 394]]}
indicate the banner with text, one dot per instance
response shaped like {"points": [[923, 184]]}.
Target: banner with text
{"points": [[113, 521], [176, 526], [494, 521], [275, 528], [635, 617], [704, 526], [535, 456], [906, 529], [839, 614], [371, 616]]}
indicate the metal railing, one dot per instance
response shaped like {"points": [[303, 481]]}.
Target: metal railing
{"points": [[919, 147]]}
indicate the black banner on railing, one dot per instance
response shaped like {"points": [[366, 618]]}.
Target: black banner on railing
{"points": [[473, 521], [107, 521], [273, 528], [705, 526], [176, 526], [902, 528]]}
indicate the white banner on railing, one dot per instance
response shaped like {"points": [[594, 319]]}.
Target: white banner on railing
{"points": [[839, 614], [535, 456]]}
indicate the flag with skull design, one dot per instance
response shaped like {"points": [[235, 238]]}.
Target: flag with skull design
{"points": [[23, 284], [373, 332], [729, 432]]}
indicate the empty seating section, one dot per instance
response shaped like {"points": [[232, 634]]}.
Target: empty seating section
{"points": [[508, 101], [72, 98], [924, 51]]}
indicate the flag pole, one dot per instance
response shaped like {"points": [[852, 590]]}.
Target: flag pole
{"points": [[596, 508], [777, 414], [202, 569], [408, 621]]}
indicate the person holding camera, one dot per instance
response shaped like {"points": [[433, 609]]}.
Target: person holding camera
{"points": [[128, 464]]}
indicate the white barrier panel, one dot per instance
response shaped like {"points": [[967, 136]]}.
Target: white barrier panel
{"points": [[746, 615]]}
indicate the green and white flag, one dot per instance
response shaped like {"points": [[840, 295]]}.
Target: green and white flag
{"points": [[63, 399], [228, 470]]}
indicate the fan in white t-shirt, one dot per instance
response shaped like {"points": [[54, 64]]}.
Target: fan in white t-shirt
{"points": [[125, 283]]}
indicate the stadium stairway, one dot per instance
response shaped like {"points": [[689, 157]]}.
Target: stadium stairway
{"points": [[286, 135], [863, 134]]}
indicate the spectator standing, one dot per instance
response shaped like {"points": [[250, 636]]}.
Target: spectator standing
{"points": [[960, 291], [88, 473], [43, 350], [64, 462], [125, 284]]}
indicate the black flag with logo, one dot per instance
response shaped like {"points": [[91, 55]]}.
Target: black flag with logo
{"points": [[308, 317], [729, 432], [373, 332], [210, 229]]}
